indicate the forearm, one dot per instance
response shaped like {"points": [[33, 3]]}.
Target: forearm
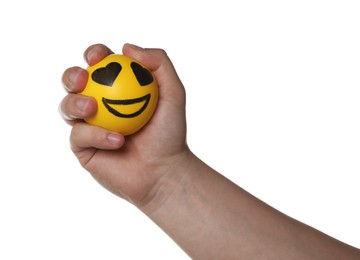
{"points": [[212, 218]]}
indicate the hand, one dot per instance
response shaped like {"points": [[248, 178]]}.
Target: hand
{"points": [[134, 167], [205, 213]]}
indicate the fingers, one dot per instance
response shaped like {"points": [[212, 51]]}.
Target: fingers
{"points": [[84, 136], [75, 79], [96, 53], [77, 107]]}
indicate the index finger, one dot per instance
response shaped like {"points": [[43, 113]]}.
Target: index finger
{"points": [[96, 53]]}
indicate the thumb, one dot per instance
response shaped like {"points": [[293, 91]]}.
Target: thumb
{"points": [[161, 66]]}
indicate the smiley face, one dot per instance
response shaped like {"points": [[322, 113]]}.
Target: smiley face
{"points": [[126, 93]]}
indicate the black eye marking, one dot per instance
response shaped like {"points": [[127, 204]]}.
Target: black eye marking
{"points": [[107, 75], [142, 75]]}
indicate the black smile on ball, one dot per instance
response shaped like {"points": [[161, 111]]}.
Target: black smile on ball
{"points": [[125, 102]]}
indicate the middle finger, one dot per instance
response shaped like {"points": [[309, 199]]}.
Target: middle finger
{"points": [[76, 106], [75, 79]]}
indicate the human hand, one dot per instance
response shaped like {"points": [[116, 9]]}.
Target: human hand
{"points": [[134, 167]]}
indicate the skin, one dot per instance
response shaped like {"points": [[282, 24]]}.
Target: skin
{"points": [[206, 214]]}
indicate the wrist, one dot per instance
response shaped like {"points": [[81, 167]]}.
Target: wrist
{"points": [[172, 175]]}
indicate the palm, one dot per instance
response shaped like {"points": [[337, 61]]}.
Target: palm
{"points": [[132, 171]]}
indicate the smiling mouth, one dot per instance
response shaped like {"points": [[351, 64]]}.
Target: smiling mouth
{"points": [[121, 103]]}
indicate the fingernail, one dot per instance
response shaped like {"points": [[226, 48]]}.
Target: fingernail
{"points": [[82, 103], [73, 76], [135, 47], [89, 56], [114, 138]]}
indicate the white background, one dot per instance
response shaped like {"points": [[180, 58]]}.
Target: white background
{"points": [[273, 93]]}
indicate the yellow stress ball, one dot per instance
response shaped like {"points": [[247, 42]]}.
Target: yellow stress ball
{"points": [[126, 93]]}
